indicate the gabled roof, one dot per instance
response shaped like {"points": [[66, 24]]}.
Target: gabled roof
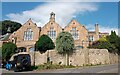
{"points": [[30, 21], [52, 22], [73, 20]]}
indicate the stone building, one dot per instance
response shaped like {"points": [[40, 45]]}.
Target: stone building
{"points": [[79, 33], [28, 34], [52, 29]]}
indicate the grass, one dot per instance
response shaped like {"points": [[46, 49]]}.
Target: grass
{"points": [[51, 66], [56, 66]]}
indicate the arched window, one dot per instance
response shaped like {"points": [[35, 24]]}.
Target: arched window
{"points": [[28, 34], [74, 33], [91, 38], [52, 33], [21, 49], [31, 49]]}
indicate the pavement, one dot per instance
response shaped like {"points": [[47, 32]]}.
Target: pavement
{"points": [[113, 68]]}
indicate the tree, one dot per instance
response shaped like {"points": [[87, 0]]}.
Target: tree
{"points": [[8, 49], [45, 43], [110, 42], [113, 38], [7, 23], [105, 45], [102, 43], [118, 45], [65, 44]]}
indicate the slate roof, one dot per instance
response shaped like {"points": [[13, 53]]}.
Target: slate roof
{"points": [[5, 37]]}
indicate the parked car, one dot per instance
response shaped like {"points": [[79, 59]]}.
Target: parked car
{"points": [[3, 64], [19, 62]]}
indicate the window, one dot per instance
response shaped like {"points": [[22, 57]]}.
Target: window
{"points": [[28, 34], [21, 49], [51, 23], [100, 36], [52, 33], [91, 38], [31, 49], [73, 22], [74, 33]]}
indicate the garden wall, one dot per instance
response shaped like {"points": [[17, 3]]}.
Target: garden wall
{"points": [[80, 57]]}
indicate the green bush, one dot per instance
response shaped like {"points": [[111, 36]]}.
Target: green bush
{"points": [[8, 49], [102, 43], [44, 43], [34, 67]]}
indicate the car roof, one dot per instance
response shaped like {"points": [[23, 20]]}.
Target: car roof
{"points": [[12, 57]]}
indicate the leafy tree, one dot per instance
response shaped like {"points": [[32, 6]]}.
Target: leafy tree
{"points": [[110, 42], [118, 45], [8, 49], [105, 45], [113, 38], [45, 43], [102, 39], [7, 23], [65, 44], [102, 43]]}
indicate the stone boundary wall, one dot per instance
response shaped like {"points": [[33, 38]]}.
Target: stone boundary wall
{"points": [[80, 57], [99, 56], [113, 58]]}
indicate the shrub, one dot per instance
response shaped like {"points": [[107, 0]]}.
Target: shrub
{"points": [[8, 49]]}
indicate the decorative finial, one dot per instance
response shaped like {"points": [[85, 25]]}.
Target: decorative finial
{"points": [[52, 16]]}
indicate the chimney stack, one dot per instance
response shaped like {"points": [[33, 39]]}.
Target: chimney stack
{"points": [[96, 29]]}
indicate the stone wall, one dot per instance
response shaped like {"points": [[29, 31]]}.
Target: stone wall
{"points": [[39, 58], [113, 58], [98, 56], [78, 58]]}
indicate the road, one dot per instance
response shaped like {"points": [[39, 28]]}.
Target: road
{"points": [[93, 69]]}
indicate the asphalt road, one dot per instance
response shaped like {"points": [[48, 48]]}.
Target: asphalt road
{"points": [[93, 69]]}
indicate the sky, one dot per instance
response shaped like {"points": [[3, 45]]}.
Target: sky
{"points": [[86, 13], [59, 0]]}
